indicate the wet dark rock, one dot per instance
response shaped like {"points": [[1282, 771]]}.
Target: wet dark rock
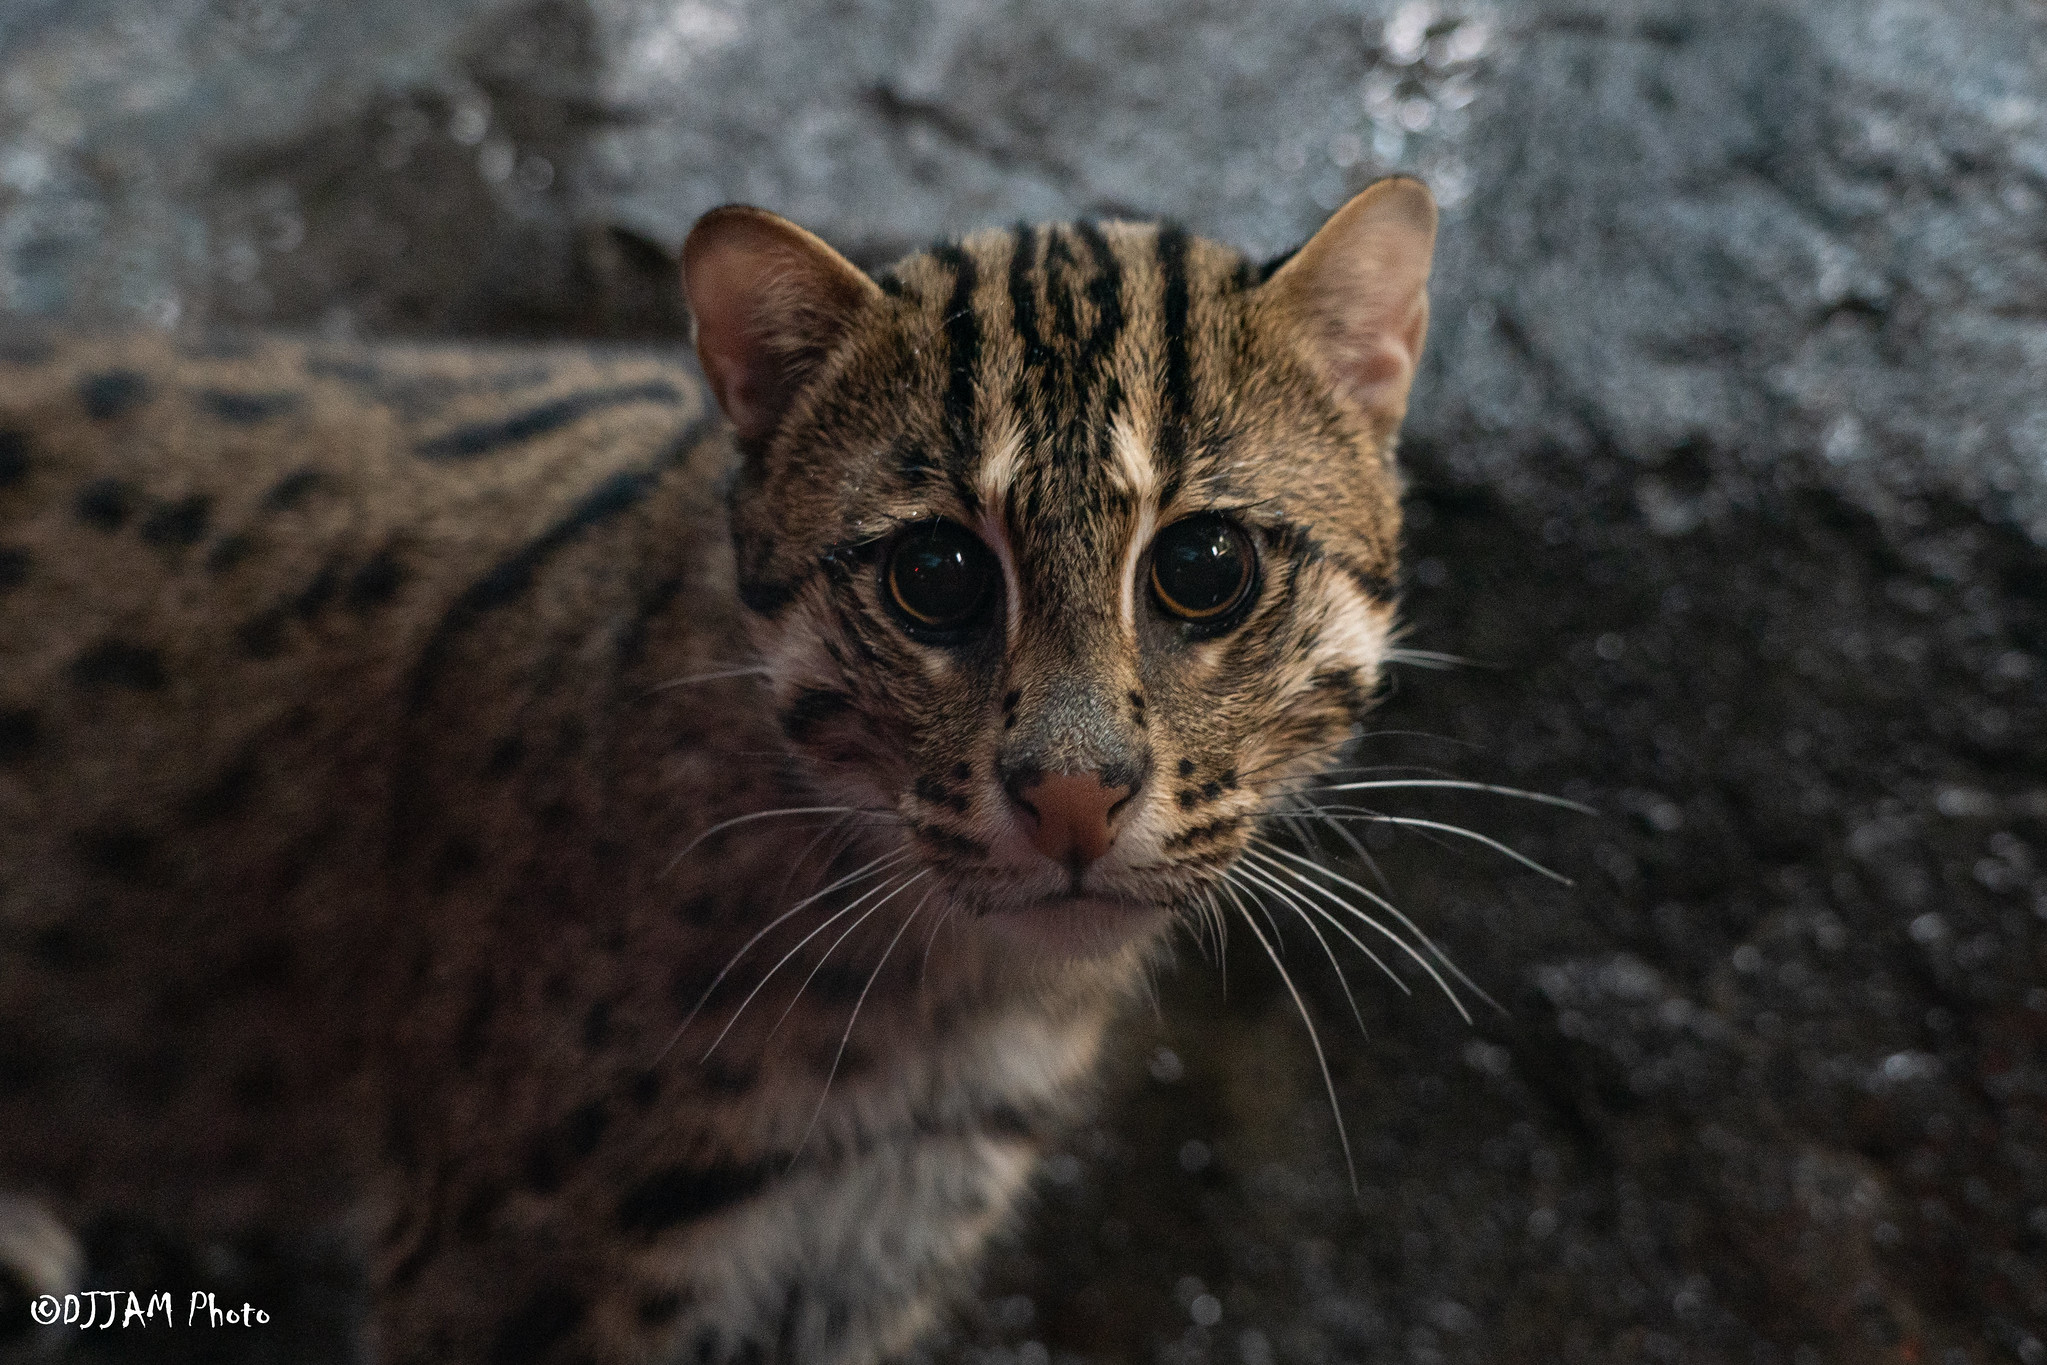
{"points": [[1729, 474]]}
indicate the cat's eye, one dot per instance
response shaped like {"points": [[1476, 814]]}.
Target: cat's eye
{"points": [[1201, 570], [939, 578]]}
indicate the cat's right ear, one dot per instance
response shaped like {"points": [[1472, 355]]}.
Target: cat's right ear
{"points": [[770, 301], [1358, 290]]}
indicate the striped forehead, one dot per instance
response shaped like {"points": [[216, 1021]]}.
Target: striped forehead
{"points": [[1071, 354]]}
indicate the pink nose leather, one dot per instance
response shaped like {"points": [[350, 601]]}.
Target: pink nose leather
{"points": [[1072, 816]]}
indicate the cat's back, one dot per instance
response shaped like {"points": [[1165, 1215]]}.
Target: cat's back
{"points": [[223, 570]]}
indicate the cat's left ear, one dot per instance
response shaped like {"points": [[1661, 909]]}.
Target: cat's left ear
{"points": [[1359, 292], [770, 302]]}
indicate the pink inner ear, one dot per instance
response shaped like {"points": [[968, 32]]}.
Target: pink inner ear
{"points": [[770, 301], [1360, 286], [726, 298]]}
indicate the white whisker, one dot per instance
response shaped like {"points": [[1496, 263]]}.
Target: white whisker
{"points": [[853, 1019], [1341, 927], [924, 966], [1356, 846], [866, 869], [1403, 944], [826, 956], [783, 961], [1430, 658], [1294, 903], [757, 671], [676, 861], [1539, 797], [1414, 822]]}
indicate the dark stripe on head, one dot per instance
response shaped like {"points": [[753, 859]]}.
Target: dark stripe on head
{"points": [[1177, 415], [1023, 309], [484, 437], [1098, 349], [963, 338]]}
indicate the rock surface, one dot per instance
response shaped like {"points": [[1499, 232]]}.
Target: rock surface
{"points": [[1730, 473]]}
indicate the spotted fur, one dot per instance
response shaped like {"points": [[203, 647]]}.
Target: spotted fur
{"points": [[467, 799]]}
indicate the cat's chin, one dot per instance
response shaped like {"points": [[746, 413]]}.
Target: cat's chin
{"points": [[1076, 926]]}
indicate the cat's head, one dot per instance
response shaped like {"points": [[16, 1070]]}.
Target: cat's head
{"points": [[1068, 548]]}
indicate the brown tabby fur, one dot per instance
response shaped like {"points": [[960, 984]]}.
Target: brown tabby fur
{"points": [[367, 842]]}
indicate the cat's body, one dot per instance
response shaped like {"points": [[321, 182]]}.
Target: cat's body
{"points": [[409, 767]]}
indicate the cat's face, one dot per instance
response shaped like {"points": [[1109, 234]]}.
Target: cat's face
{"points": [[1068, 548]]}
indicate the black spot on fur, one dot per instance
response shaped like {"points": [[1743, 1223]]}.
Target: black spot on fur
{"points": [[1186, 767], [105, 504], [962, 771], [553, 1156], [262, 636], [117, 663], [13, 457], [1007, 1121], [812, 707], [484, 437], [20, 732], [224, 795], [112, 392], [246, 409], [172, 525], [1189, 799], [230, 551], [318, 592], [13, 567], [293, 489], [119, 852], [683, 1194], [1211, 790], [1203, 833], [376, 582], [529, 1335]]}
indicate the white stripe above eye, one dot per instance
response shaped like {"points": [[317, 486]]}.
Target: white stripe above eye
{"points": [[992, 482], [1131, 467]]}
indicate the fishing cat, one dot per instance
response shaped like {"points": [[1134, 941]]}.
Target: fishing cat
{"points": [[657, 882]]}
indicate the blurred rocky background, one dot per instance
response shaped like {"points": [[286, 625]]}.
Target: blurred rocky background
{"points": [[1729, 478]]}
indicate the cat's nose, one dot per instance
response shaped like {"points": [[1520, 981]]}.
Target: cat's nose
{"points": [[1071, 815]]}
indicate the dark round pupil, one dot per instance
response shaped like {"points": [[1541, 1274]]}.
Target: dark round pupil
{"points": [[1198, 567], [939, 574]]}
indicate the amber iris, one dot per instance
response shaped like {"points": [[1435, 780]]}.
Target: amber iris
{"points": [[1201, 569], [940, 577]]}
